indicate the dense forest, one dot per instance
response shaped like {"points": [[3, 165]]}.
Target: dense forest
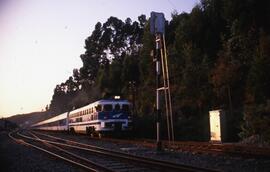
{"points": [[219, 58]]}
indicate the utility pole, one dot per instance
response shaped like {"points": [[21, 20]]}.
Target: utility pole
{"points": [[157, 28], [158, 109]]}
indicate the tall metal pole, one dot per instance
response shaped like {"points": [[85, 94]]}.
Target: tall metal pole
{"points": [[158, 109], [157, 28]]}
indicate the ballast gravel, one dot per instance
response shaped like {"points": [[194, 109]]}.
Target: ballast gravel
{"points": [[17, 157]]}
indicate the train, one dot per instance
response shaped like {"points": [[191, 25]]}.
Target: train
{"points": [[100, 117]]}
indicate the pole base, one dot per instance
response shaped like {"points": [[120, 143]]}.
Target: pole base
{"points": [[159, 146]]}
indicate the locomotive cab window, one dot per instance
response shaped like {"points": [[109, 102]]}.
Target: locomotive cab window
{"points": [[107, 108], [117, 107], [98, 108]]}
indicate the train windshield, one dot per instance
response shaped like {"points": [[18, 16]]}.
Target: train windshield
{"points": [[107, 108], [117, 107], [125, 108]]}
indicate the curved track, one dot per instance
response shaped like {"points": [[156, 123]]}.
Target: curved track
{"points": [[95, 158]]}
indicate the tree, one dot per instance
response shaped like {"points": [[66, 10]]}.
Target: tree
{"points": [[218, 57], [257, 105]]}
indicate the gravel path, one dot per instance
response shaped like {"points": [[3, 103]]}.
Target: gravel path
{"points": [[15, 157]]}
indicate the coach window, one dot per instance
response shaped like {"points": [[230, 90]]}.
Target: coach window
{"points": [[117, 107], [62, 122], [107, 108], [78, 119]]}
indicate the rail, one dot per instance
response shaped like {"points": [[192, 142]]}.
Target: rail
{"points": [[153, 163]]}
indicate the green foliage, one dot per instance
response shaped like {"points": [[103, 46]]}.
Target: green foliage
{"points": [[257, 121], [257, 108], [258, 78], [218, 58]]}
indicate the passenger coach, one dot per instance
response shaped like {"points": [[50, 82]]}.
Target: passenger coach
{"points": [[58, 123]]}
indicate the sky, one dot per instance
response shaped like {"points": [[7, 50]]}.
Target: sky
{"points": [[41, 42]]}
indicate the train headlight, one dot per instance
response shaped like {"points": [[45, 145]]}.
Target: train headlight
{"points": [[117, 97]]}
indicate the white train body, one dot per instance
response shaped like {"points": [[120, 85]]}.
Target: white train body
{"points": [[99, 117], [59, 123]]}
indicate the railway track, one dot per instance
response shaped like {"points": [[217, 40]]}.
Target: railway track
{"points": [[227, 149], [93, 158], [54, 151]]}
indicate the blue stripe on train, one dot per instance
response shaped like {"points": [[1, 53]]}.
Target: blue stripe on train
{"points": [[113, 115]]}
